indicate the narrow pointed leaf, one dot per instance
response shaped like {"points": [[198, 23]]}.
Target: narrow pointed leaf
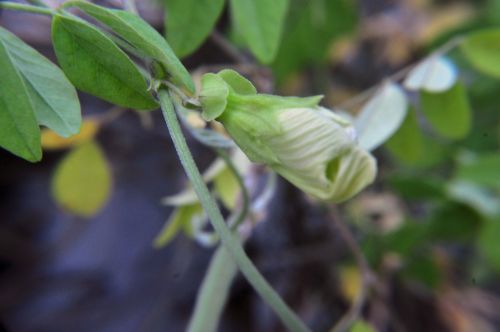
{"points": [[95, 65], [54, 98]]}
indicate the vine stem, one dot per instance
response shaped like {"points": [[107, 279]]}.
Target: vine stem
{"points": [[230, 240], [27, 8], [39, 3], [213, 292], [399, 75]]}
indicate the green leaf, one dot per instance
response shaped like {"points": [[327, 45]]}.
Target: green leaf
{"points": [[82, 180], [483, 170], [95, 65], [54, 98], [453, 222], [143, 37], [311, 28], [474, 196], [415, 187], [260, 22], [448, 112], [381, 116], [189, 22], [424, 269], [19, 131], [407, 143], [482, 49], [488, 242]]}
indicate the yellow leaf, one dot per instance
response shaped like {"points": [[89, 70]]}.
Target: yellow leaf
{"points": [[52, 141], [179, 219], [227, 188], [82, 180], [350, 282]]}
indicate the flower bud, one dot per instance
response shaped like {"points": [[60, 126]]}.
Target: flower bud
{"points": [[310, 146]]}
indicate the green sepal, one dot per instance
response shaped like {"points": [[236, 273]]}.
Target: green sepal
{"points": [[213, 96], [237, 83]]}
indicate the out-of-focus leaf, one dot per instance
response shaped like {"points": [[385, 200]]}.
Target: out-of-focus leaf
{"points": [[475, 196], [54, 99], [260, 23], [82, 180], [418, 187], [435, 74], [488, 242], [362, 326], [186, 197], [448, 112], [180, 217], [311, 27], [483, 170], [142, 36], [407, 144], [350, 280], [52, 141], [227, 187], [406, 239], [453, 222], [381, 116], [19, 131], [95, 65], [424, 269], [482, 49], [189, 22]]}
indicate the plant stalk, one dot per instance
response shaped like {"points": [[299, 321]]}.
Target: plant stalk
{"points": [[213, 292], [27, 8], [230, 240]]}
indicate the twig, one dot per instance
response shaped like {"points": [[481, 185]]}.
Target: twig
{"points": [[130, 6], [367, 276], [228, 48], [399, 75]]}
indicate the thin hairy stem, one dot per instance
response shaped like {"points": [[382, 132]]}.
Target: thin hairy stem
{"points": [[367, 276], [230, 240]]}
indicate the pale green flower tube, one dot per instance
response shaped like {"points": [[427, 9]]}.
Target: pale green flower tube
{"points": [[310, 146]]}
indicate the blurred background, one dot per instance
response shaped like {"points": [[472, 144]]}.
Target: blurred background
{"points": [[428, 229]]}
